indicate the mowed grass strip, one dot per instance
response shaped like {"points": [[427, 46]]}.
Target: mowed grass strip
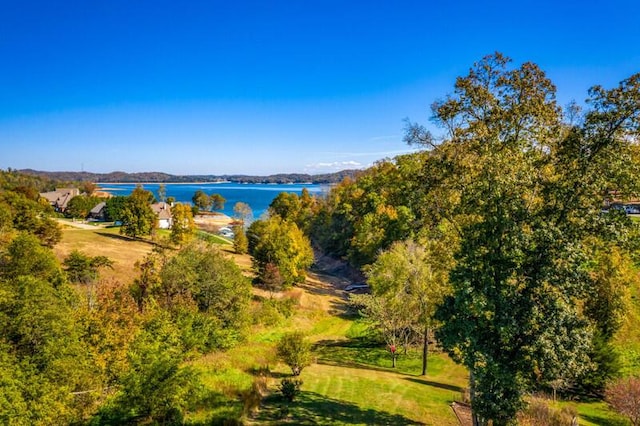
{"points": [[333, 394]]}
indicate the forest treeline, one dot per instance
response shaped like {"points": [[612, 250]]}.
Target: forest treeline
{"points": [[159, 177]]}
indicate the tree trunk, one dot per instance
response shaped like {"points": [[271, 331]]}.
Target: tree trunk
{"points": [[425, 350], [472, 397], [393, 360]]}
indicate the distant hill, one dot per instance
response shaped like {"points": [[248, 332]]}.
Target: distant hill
{"points": [[159, 177]]}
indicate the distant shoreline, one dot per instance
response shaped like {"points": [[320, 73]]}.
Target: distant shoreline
{"points": [[162, 183], [208, 183], [160, 177]]}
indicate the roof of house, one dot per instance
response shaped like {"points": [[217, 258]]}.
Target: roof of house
{"points": [[163, 210], [98, 208], [60, 197]]}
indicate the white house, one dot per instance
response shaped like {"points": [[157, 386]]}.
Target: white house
{"points": [[163, 211]]}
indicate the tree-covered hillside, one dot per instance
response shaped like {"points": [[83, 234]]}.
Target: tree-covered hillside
{"points": [[142, 177]]}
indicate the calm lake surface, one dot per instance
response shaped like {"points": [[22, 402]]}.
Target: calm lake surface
{"points": [[257, 196]]}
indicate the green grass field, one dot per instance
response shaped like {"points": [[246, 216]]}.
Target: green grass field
{"points": [[350, 382]]}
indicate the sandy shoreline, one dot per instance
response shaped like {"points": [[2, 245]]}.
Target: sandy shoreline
{"points": [[211, 221]]}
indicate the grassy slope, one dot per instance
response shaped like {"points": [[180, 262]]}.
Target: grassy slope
{"points": [[105, 242], [351, 381]]}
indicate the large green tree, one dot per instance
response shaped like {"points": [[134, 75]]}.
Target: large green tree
{"points": [[202, 286], [201, 200], [156, 388], [80, 206], [281, 243], [115, 206], [525, 191], [137, 217], [183, 228], [416, 277], [42, 361]]}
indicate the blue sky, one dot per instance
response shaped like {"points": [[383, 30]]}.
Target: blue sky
{"points": [[211, 87]]}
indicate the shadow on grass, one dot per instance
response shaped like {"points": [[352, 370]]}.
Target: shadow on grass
{"points": [[355, 353], [266, 372], [311, 408], [452, 388], [226, 410], [322, 291], [122, 237], [364, 342], [355, 364], [603, 421]]}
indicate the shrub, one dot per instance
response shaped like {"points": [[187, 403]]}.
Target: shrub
{"points": [[295, 351], [290, 388], [624, 396], [540, 413]]}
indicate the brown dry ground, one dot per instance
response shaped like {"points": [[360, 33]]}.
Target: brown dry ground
{"points": [[212, 222], [98, 240], [124, 251]]}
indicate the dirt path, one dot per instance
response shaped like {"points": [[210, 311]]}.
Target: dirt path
{"points": [[79, 225]]}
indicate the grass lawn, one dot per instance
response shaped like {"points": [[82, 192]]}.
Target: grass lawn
{"points": [[124, 251], [599, 414], [350, 382]]}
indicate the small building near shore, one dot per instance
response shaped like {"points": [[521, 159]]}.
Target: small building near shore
{"points": [[99, 212], [163, 211]]}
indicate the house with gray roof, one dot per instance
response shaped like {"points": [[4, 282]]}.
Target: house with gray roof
{"points": [[99, 212], [60, 197]]}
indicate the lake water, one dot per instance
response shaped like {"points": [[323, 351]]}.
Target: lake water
{"points": [[257, 196]]}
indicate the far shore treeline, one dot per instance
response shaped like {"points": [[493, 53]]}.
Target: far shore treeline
{"points": [[159, 177]]}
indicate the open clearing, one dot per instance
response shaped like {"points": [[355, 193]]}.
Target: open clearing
{"points": [[99, 241]]}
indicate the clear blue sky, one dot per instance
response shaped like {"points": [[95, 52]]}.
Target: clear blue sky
{"points": [[261, 87]]}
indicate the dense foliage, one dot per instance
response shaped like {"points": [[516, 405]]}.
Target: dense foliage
{"points": [[281, 243], [295, 351], [540, 273], [387, 203], [137, 217], [24, 211], [65, 359]]}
